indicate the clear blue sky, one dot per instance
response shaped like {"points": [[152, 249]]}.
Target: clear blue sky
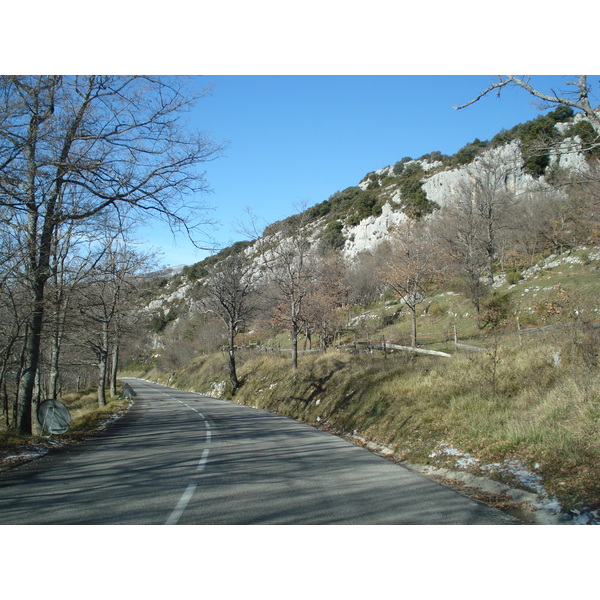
{"points": [[298, 139], [295, 137]]}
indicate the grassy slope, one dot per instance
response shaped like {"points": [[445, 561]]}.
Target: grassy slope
{"points": [[508, 403]]}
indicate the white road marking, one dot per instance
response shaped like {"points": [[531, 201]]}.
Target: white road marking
{"points": [[203, 460], [183, 502], [191, 488]]}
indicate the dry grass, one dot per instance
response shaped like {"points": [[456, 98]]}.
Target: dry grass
{"points": [[86, 418], [538, 413]]}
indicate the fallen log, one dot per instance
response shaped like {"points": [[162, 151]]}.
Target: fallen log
{"points": [[418, 350]]}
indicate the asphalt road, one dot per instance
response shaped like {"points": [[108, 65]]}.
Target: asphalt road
{"points": [[182, 458]]}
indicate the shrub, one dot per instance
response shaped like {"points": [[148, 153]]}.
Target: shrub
{"points": [[161, 319], [467, 153], [589, 137], [399, 166], [495, 310], [195, 271], [319, 210], [332, 236], [513, 277], [415, 202]]}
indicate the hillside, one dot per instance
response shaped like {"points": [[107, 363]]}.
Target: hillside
{"points": [[358, 218], [500, 245], [531, 162], [524, 411]]}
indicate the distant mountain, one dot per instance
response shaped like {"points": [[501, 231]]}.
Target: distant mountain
{"points": [[166, 273]]}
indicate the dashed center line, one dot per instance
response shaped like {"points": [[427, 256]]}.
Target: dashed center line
{"points": [[203, 460], [183, 502], [191, 488]]}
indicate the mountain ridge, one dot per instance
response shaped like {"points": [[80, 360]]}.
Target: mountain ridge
{"points": [[359, 218], [363, 214]]}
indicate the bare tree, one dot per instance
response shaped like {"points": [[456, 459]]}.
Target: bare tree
{"points": [[578, 99], [13, 323], [457, 227], [229, 293], [108, 296], [413, 266], [70, 263], [361, 279], [328, 296], [491, 203], [291, 266], [73, 147]]}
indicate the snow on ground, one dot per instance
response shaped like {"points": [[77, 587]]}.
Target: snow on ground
{"points": [[32, 451], [528, 479]]}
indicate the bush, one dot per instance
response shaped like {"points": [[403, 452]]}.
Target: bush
{"points": [[588, 136], [355, 204], [536, 138], [467, 153], [495, 310], [399, 166], [513, 277], [435, 156], [415, 202], [319, 210], [160, 320], [561, 113], [333, 237], [195, 271]]}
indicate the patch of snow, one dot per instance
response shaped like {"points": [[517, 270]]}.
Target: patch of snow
{"points": [[30, 453], [530, 480], [217, 389]]}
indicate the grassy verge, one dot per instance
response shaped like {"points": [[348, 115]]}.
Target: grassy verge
{"points": [[530, 400], [87, 418], [508, 404]]}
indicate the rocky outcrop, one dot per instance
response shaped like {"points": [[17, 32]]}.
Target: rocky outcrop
{"points": [[444, 185], [370, 232]]}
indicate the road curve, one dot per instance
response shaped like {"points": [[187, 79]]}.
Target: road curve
{"points": [[183, 458]]}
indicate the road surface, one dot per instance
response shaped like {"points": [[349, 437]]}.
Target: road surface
{"points": [[183, 458]]}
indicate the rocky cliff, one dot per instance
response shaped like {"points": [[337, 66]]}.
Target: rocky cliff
{"points": [[443, 184]]}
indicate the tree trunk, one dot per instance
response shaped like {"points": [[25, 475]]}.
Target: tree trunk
{"points": [[413, 334], [232, 368], [294, 345], [5, 402], [31, 358], [52, 389], [490, 248], [103, 366], [115, 367]]}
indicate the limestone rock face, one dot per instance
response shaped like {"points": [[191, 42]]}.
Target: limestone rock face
{"points": [[443, 186], [370, 232]]}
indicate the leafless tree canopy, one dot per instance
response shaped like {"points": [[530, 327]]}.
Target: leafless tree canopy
{"points": [[79, 147], [229, 294], [578, 99]]}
